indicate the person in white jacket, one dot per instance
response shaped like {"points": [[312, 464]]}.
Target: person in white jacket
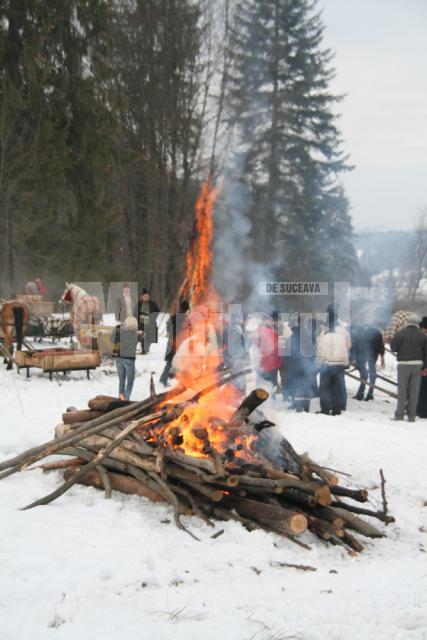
{"points": [[332, 357]]}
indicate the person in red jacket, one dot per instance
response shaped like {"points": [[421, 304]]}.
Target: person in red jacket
{"points": [[268, 361]]}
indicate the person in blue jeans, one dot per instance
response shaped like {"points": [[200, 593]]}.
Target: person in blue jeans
{"points": [[367, 344], [125, 343]]}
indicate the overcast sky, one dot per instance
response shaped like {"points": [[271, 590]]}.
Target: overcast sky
{"points": [[380, 58]]}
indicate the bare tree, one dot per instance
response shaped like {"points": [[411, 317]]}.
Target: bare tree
{"points": [[418, 254]]}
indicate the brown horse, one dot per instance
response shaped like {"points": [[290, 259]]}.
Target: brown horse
{"points": [[14, 319]]}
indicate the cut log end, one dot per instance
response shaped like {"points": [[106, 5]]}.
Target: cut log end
{"points": [[298, 523]]}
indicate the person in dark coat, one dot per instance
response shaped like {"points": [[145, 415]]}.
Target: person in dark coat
{"points": [[410, 346], [300, 369], [175, 326], [367, 344], [147, 320], [422, 397], [125, 341]]}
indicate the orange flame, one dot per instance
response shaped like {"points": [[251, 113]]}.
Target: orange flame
{"points": [[199, 358], [197, 280]]}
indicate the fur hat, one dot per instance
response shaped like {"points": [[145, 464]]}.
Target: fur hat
{"points": [[413, 318], [131, 324]]}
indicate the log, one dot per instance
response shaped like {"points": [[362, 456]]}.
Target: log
{"points": [[357, 524], [182, 459], [142, 451], [352, 542], [193, 481], [92, 427], [364, 512], [293, 522], [116, 417], [360, 495], [121, 453], [104, 453], [80, 416], [330, 515], [108, 403], [323, 495], [119, 482], [321, 528], [323, 473], [61, 464], [321, 525], [299, 497], [249, 404]]}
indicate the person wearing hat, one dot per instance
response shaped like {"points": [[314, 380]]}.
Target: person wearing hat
{"points": [[147, 320], [410, 346], [125, 343]]}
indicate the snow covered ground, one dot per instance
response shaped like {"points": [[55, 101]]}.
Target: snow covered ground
{"points": [[84, 567]]}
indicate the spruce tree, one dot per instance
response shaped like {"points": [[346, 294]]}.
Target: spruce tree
{"points": [[58, 104], [283, 114]]}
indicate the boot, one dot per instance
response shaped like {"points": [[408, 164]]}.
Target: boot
{"points": [[370, 396]]}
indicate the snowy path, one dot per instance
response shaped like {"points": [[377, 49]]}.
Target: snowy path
{"points": [[85, 567]]}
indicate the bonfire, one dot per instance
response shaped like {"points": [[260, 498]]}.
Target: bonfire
{"points": [[204, 447]]}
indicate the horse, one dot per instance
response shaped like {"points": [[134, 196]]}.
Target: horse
{"points": [[14, 320], [86, 309]]}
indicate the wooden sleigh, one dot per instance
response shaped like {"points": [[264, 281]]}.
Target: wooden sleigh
{"points": [[54, 360], [36, 305]]}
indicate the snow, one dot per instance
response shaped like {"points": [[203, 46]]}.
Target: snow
{"points": [[84, 567]]}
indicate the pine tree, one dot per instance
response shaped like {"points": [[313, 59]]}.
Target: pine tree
{"points": [[61, 147], [283, 114]]}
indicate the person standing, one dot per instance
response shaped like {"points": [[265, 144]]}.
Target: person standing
{"points": [[124, 304], [410, 346], [332, 358], [175, 325], [422, 397], [268, 353], [125, 343], [147, 320], [300, 370], [367, 344]]}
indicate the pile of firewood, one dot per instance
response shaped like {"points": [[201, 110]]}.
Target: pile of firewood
{"points": [[257, 479]]}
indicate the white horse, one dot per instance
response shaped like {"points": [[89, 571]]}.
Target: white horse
{"points": [[86, 309]]}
